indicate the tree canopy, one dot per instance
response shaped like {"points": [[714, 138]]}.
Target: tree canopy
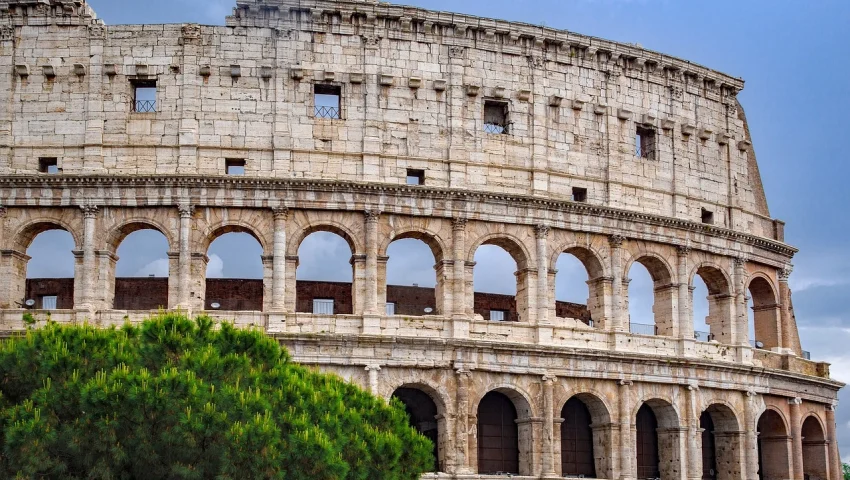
{"points": [[179, 399]]}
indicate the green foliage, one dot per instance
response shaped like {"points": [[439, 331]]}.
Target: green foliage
{"points": [[178, 399], [846, 469]]}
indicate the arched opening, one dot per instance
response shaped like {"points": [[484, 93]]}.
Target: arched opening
{"points": [[579, 288], [235, 272], [413, 286], [712, 306], [577, 455], [500, 282], [50, 270], [498, 435], [774, 445], [658, 439], [766, 319], [325, 272], [640, 301], [815, 450], [141, 271], [721, 444], [422, 413], [646, 428]]}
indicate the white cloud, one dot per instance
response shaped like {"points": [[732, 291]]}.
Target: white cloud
{"points": [[156, 268], [215, 267]]}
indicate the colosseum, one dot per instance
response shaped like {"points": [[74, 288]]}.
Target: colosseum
{"points": [[379, 122]]}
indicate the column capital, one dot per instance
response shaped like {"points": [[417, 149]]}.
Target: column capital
{"points": [[541, 231], [616, 241], [373, 367], [625, 383], [548, 378], [692, 387], [683, 250], [459, 223], [3, 211], [89, 210], [751, 394], [739, 261], [785, 272], [186, 210], [463, 371], [795, 401], [372, 215], [280, 213]]}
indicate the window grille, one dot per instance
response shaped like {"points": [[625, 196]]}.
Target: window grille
{"points": [[48, 302], [495, 117], [327, 101], [323, 306], [144, 96]]}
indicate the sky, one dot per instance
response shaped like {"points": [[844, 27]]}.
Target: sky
{"points": [[793, 57]]}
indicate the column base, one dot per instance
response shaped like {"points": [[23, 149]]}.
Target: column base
{"points": [[276, 321], [544, 335], [460, 327], [371, 324], [687, 347]]}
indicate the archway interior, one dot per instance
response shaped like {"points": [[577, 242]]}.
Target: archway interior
{"points": [[422, 415], [641, 301], [577, 457], [773, 443], [495, 284], [498, 435], [815, 450], [324, 275], [142, 271], [709, 449], [765, 318], [234, 275], [646, 426], [573, 297], [411, 280], [50, 271], [700, 307]]}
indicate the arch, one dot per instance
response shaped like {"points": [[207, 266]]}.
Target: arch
{"points": [[434, 242], [577, 439], [664, 295], [520, 398], [425, 416], [510, 243], [142, 290], [720, 303], [658, 435], [120, 232], [46, 270], [234, 293], [774, 446], [721, 443], [815, 449], [402, 298], [26, 233], [232, 226], [657, 266], [594, 302], [766, 318], [600, 410], [590, 258], [323, 226], [509, 307], [717, 280], [646, 443], [332, 285], [498, 435]]}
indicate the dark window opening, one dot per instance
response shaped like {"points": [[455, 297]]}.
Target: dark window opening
{"points": [[144, 96], [498, 435], [496, 117], [234, 166], [647, 444], [415, 177], [327, 101], [579, 194], [709, 449], [48, 165], [645, 143], [422, 415], [707, 217], [577, 441]]}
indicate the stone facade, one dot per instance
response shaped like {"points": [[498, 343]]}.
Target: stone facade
{"points": [[520, 136]]}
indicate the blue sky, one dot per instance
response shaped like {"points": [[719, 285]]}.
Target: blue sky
{"points": [[793, 56]]}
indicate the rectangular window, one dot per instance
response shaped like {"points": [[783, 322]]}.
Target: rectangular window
{"points": [[323, 306], [579, 194], [645, 143], [498, 315], [707, 217], [48, 165], [48, 302], [234, 166], [415, 177], [144, 96], [496, 117], [327, 99], [390, 309]]}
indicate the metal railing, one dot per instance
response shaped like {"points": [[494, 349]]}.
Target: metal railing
{"points": [[328, 112], [495, 128], [703, 336], [643, 329], [144, 106]]}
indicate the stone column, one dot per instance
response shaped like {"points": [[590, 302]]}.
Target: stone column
{"points": [[373, 370], [462, 423], [751, 459], [278, 303], [790, 338], [796, 438], [370, 307], [89, 273], [834, 459], [694, 456], [619, 321], [741, 330], [626, 451], [548, 469], [185, 256], [460, 322], [542, 234], [686, 320]]}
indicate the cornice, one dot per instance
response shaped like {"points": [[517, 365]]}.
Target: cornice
{"points": [[442, 194]]}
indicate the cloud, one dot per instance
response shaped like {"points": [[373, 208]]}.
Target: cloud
{"points": [[156, 268], [215, 267]]}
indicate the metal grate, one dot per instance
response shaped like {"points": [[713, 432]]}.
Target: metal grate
{"points": [[328, 112], [495, 128], [144, 106], [643, 329]]}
